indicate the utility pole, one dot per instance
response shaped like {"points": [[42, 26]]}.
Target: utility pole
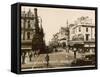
{"points": [[68, 35]]}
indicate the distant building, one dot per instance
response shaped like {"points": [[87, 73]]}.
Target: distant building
{"points": [[61, 37]]}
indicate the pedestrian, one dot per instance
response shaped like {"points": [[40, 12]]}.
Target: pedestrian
{"points": [[30, 56], [23, 57], [47, 59], [26, 57]]}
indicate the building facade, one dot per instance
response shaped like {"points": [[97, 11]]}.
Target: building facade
{"points": [[84, 32], [63, 36], [60, 39], [31, 27], [27, 28]]}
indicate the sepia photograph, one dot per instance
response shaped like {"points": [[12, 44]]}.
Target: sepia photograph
{"points": [[57, 38]]}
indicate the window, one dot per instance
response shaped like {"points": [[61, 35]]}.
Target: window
{"points": [[79, 29], [86, 29], [29, 24], [87, 37], [28, 35]]}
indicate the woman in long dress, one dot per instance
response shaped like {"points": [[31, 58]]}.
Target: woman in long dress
{"points": [[27, 58]]}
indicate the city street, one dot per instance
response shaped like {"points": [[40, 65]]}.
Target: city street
{"points": [[56, 59]]}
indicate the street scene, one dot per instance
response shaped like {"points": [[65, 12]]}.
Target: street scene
{"points": [[57, 38]]}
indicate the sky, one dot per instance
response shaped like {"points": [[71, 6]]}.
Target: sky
{"points": [[54, 18]]}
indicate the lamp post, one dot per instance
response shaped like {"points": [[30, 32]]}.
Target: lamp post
{"points": [[68, 35]]}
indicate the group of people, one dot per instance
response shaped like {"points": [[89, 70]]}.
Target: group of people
{"points": [[27, 57]]}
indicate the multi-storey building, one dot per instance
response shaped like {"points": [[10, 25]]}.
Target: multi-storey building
{"points": [[31, 27], [84, 32], [27, 28]]}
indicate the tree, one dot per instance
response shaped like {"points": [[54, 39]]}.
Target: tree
{"points": [[38, 43], [35, 42]]}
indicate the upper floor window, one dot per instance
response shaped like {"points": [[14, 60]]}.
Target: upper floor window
{"points": [[86, 29], [28, 35], [29, 24], [79, 29]]}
